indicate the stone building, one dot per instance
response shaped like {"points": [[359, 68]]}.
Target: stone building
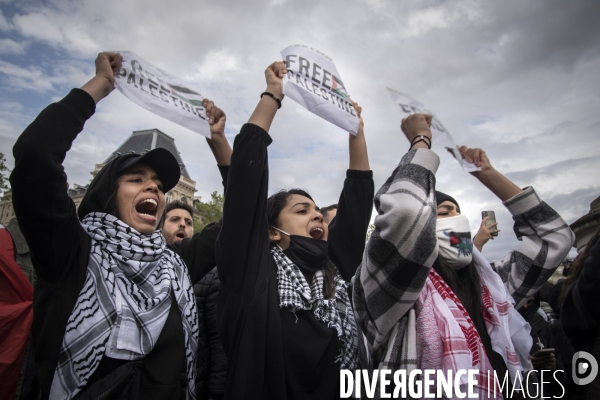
{"points": [[76, 192], [585, 227], [139, 142], [6, 208]]}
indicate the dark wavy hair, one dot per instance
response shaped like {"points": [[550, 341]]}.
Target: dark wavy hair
{"points": [[276, 203]]}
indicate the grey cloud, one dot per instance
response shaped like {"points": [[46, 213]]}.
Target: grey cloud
{"points": [[518, 79], [587, 164]]}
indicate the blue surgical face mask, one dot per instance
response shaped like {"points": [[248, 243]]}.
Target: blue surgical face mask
{"points": [[310, 255]]}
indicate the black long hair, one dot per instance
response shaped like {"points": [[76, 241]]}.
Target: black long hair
{"points": [[466, 284], [276, 203]]}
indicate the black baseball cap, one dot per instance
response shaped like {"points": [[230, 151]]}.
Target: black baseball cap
{"points": [[97, 198], [162, 161]]}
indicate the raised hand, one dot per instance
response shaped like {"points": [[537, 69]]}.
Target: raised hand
{"points": [[500, 185], [218, 143], [216, 118], [476, 156], [484, 234], [417, 125], [267, 107], [107, 66], [359, 158], [358, 110], [274, 76]]}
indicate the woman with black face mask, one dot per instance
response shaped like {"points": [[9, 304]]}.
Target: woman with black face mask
{"points": [[426, 299], [285, 316]]}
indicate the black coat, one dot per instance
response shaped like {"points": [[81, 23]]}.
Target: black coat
{"points": [[272, 353], [211, 363], [580, 313]]}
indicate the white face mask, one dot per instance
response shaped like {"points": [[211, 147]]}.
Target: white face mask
{"points": [[454, 241]]}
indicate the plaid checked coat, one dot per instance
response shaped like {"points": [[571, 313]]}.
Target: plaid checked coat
{"points": [[403, 247]]}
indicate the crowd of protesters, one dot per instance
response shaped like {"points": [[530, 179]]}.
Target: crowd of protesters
{"points": [[277, 297]]}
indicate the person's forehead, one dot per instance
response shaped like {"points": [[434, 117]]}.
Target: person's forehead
{"points": [[140, 168], [179, 212], [297, 198], [447, 204]]}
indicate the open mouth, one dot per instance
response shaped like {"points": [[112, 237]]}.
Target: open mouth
{"points": [[316, 232], [180, 235], [147, 208]]}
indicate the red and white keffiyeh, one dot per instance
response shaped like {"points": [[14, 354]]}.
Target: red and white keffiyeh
{"points": [[448, 340]]}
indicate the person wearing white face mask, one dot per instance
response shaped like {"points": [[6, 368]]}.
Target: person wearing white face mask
{"points": [[424, 296], [453, 233]]}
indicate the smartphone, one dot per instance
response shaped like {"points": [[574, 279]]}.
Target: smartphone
{"points": [[492, 220], [544, 352]]}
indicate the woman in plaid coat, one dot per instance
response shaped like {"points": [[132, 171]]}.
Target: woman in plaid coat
{"points": [[424, 298]]}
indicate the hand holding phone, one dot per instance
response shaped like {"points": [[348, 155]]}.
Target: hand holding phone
{"points": [[543, 352], [544, 359], [490, 223]]}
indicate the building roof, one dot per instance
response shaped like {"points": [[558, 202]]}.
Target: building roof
{"points": [[77, 190], [594, 214], [141, 142]]}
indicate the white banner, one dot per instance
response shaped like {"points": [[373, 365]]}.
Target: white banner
{"points": [[313, 82], [161, 93], [441, 137]]}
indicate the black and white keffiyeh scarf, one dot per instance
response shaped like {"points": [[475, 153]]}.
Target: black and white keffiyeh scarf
{"points": [[124, 303], [295, 294]]}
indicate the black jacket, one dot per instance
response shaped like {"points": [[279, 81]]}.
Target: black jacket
{"points": [[60, 248], [580, 314], [262, 364], [211, 363]]}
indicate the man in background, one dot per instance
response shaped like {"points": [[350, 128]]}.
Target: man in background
{"points": [[328, 213], [211, 361], [178, 222]]}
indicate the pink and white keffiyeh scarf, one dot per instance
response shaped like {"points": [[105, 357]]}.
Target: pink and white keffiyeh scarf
{"points": [[448, 340]]}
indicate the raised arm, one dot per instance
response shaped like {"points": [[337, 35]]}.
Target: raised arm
{"points": [[107, 67], [546, 238], [242, 249], [46, 213], [267, 107], [198, 253], [359, 158], [218, 143], [403, 246], [348, 229]]}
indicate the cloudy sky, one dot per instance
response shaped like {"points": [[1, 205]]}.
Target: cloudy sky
{"points": [[518, 79]]}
